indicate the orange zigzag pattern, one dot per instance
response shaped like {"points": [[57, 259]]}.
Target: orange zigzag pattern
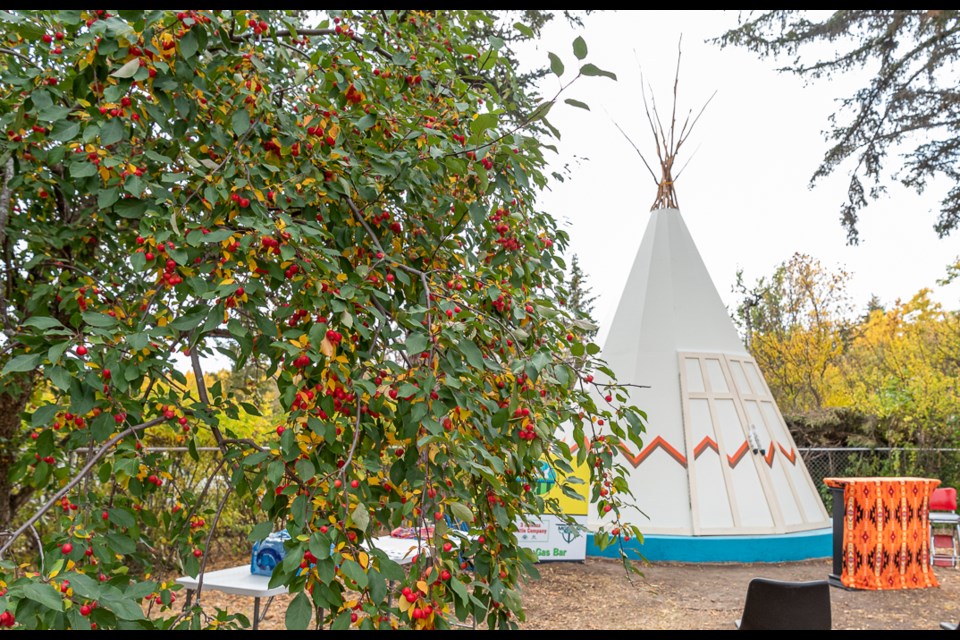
{"points": [[657, 442], [706, 443], [737, 456], [769, 456], [789, 455]]}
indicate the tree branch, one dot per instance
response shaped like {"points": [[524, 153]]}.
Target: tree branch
{"points": [[4, 219], [91, 463], [204, 398], [19, 55], [285, 33], [206, 546]]}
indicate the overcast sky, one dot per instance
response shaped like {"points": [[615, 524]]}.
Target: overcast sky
{"points": [[745, 194]]}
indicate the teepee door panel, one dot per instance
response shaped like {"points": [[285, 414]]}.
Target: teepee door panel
{"points": [[711, 503], [798, 498], [753, 508], [782, 486], [727, 492], [793, 465]]}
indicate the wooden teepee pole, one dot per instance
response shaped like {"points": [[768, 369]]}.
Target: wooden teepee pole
{"points": [[667, 141]]}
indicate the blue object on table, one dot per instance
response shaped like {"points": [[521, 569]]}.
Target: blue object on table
{"points": [[268, 553]]}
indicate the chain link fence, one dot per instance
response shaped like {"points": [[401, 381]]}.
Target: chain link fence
{"points": [[824, 462]]}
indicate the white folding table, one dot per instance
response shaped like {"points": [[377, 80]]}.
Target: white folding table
{"points": [[239, 581], [236, 581]]}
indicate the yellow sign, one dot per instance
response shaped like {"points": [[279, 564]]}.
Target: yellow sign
{"points": [[549, 487]]}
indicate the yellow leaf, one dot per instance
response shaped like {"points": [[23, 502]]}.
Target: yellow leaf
{"points": [[301, 342], [327, 348], [423, 587], [364, 559], [404, 606]]}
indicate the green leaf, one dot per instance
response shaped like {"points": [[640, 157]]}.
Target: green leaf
{"points": [[83, 585], [111, 133], [189, 44], [580, 48], [218, 235], [127, 70], [378, 587], [577, 103], [523, 29], [260, 531], [355, 572], [472, 353], [483, 122], [121, 517], [592, 70], [27, 362], [106, 197], [360, 517], [53, 114], [124, 609], [189, 322], [299, 612], [82, 169], [461, 512], [64, 131], [556, 65], [43, 415], [95, 319], [42, 322], [43, 594], [592, 349], [121, 544], [251, 409], [540, 360], [366, 121], [460, 589], [240, 122], [415, 343]]}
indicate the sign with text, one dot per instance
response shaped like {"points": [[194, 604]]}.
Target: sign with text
{"points": [[552, 539]]}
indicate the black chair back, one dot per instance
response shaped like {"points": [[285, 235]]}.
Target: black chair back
{"points": [[777, 605]]}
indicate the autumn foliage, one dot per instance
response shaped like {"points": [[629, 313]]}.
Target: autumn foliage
{"points": [[896, 368], [353, 205]]}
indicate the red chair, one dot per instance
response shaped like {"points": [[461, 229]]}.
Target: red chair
{"points": [[944, 528]]}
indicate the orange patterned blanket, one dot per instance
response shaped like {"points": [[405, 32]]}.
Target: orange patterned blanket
{"points": [[886, 533]]}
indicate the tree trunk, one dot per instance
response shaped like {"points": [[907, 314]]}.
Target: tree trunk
{"points": [[11, 405]]}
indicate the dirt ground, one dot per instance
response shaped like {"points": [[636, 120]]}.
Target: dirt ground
{"points": [[597, 594]]}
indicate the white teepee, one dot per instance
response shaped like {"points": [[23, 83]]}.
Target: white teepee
{"points": [[717, 458]]}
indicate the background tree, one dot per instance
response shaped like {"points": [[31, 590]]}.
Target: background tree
{"points": [[351, 205], [795, 325], [885, 377], [910, 106], [580, 301], [902, 368]]}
